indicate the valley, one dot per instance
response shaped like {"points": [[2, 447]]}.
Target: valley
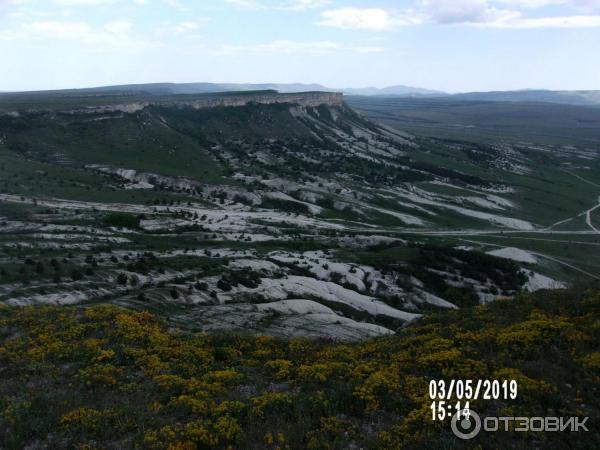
{"points": [[299, 225], [282, 214]]}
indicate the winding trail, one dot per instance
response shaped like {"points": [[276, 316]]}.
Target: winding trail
{"points": [[588, 217], [541, 255], [582, 179], [559, 241], [587, 213]]}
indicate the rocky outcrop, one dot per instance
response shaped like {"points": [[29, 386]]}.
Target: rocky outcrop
{"points": [[303, 99], [306, 99]]}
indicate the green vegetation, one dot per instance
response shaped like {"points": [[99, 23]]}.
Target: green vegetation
{"points": [[212, 186], [106, 377], [123, 220], [438, 266], [21, 175], [487, 121], [139, 141]]}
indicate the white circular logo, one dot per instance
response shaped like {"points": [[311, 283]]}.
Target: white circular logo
{"points": [[466, 424]]}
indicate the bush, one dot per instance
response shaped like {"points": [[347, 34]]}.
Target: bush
{"points": [[224, 285], [122, 220], [122, 279], [76, 275], [201, 286], [112, 371]]}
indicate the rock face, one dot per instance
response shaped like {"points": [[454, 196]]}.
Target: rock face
{"points": [[311, 99]]}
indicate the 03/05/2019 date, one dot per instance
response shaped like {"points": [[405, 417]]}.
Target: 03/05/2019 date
{"points": [[473, 389]]}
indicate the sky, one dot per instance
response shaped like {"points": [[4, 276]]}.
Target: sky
{"points": [[449, 45]]}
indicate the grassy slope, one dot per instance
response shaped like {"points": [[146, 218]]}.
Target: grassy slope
{"points": [[23, 176], [105, 377], [177, 142], [544, 196], [136, 141], [167, 141]]}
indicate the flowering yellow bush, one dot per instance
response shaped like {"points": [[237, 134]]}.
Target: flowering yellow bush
{"points": [[191, 404], [280, 368], [198, 433], [86, 418], [377, 386], [528, 387], [318, 372], [276, 401], [100, 374], [592, 361], [175, 383], [230, 407], [105, 377], [538, 330]]}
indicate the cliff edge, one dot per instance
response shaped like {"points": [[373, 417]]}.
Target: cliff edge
{"points": [[92, 105]]}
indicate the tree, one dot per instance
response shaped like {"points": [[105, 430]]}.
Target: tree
{"points": [[122, 279], [122, 220], [76, 275], [224, 285]]}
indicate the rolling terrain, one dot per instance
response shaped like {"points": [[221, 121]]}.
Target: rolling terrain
{"points": [[265, 270], [287, 214]]}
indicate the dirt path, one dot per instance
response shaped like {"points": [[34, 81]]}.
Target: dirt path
{"points": [[588, 217], [541, 255]]}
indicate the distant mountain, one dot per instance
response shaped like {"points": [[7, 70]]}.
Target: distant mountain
{"points": [[281, 87], [399, 90], [128, 89], [161, 88], [562, 97], [185, 88], [580, 98], [200, 88]]}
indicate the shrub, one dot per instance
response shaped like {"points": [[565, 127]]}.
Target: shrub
{"points": [[122, 279], [122, 220]]}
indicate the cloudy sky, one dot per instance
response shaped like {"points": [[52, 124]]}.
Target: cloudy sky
{"points": [[452, 45]]}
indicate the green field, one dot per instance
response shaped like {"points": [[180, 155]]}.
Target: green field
{"points": [[488, 121]]}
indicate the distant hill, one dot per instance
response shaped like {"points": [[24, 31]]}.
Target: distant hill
{"points": [[281, 87], [580, 98], [563, 97], [402, 91], [202, 88], [183, 88]]}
